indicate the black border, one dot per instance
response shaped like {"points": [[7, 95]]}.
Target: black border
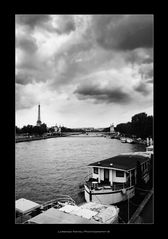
{"points": [[10, 139]]}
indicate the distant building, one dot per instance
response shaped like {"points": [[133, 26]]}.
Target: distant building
{"points": [[89, 129], [56, 129], [99, 129], [38, 119], [112, 128], [59, 129]]}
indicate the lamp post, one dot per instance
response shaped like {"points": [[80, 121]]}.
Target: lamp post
{"points": [[128, 207]]}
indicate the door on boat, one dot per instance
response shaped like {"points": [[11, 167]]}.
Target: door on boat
{"points": [[106, 175]]}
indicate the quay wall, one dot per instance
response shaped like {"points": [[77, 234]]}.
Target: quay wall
{"points": [[26, 139], [141, 209], [34, 138]]}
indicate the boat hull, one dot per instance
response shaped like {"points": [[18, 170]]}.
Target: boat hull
{"points": [[108, 196]]}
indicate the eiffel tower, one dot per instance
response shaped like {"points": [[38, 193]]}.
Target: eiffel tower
{"points": [[38, 120]]}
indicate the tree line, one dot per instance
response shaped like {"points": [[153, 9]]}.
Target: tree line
{"points": [[140, 126], [40, 130], [32, 130]]}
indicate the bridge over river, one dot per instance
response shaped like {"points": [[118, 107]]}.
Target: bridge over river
{"points": [[88, 134]]}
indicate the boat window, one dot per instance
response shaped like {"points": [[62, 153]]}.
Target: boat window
{"points": [[95, 170], [119, 173]]}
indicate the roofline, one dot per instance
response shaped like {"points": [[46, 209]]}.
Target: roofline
{"points": [[106, 167], [126, 170]]}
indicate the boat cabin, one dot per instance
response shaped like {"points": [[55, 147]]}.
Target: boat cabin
{"points": [[116, 175], [119, 170]]}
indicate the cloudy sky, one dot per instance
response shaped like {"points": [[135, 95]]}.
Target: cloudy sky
{"points": [[84, 70]]}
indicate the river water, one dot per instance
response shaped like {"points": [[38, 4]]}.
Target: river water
{"points": [[50, 167]]}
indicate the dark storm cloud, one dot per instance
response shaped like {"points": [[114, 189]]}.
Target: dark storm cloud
{"points": [[147, 60], [26, 43], [98, 94], [140, 56], [98, 50], [146, 71], [66, 24], [32, 20], [23, 78], [19, 80], [150, 81], [149, 74], [142, 88], [123, 32]]}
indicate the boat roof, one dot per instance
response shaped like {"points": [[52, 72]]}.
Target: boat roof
{"points": [[124, 161], [150, 147], [23, 205], [56, 216], [103, 213], [87, 213]]}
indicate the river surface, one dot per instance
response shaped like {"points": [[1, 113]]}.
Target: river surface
{"points": [[50, 167]]}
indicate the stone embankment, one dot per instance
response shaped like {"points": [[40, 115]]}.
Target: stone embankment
{"points": [[26, 139]]}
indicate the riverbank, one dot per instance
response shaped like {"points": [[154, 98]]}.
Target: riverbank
{"points": [[66, 134], [19, 140], [144, 213], [33, 138]]}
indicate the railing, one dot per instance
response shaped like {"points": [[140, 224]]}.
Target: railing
{"points": [[106, 186], [57, 200], [81, 185], [119, 187], [87, 176]]}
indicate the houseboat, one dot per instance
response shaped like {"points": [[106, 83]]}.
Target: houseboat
{"points": [[65, 212], [113, 180]]}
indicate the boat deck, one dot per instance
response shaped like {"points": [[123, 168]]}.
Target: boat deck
{"points": [[103, 185]]}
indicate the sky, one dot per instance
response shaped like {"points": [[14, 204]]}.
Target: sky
{"points": [[83, 70]]}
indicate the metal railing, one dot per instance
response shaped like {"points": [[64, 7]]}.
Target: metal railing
{"points": [[107, 186], [85, 180], [58, 199]]}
